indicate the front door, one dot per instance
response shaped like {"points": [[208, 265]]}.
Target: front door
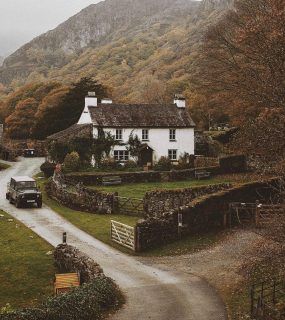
{"points": [[146, 156]]}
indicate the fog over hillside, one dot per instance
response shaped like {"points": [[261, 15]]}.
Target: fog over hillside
{"points": [[22, 20]]}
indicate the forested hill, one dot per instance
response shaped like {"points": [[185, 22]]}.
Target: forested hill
{"points": [[129, 45]]}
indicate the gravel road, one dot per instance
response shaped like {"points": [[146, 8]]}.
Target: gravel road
{"points": [[151, 292]]}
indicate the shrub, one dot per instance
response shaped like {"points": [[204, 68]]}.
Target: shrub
{"points": [[186, 161], [58, 151], [71, 162], [48, 168], [233, 164], [164, 164], [110, 164], [86, 302], [130, 164]]}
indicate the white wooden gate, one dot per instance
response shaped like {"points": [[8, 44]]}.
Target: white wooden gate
{"points": [[123, 234]]}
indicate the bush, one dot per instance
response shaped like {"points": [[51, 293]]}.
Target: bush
{"points": [[48, 168], [86, 302], [130, 164], [186, 161], [71, 162], [233, 164], [110, 164], [164, 164]]}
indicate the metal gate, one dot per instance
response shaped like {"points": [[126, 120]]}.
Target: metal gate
{"points": [[130, 206], [123, 234]]}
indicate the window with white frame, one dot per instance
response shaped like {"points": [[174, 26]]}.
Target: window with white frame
{"points": [[119, 134], [121, 155], [145, 135], [172, 134], [172, 154]]}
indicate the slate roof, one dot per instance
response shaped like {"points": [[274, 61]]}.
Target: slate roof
{"points": [[72, 131], [140, 116]]}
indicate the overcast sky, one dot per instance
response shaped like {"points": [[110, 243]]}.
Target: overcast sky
{"points": [[22, 20]]}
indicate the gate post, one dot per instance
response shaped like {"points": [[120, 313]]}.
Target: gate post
{"points": [[137, 239], [115, 203], [257, 213]]}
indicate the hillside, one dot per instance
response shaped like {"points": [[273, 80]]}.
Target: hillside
{"points": [[129, 45]]}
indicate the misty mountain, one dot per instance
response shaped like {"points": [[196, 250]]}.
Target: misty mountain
{"points": [[119, 42]]}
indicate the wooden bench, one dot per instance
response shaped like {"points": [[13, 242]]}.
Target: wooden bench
{"points": [[66, 282], [111, 180], [202, 174]]}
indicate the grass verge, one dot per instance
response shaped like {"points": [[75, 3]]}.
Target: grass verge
{"points": [[27, 271], [4, 166], [98, 226], [138, 190]]}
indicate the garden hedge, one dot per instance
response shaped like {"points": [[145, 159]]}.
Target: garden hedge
{"points": [[87, 302]]}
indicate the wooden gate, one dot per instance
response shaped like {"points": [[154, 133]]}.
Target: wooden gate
{"points": [[267, 299], [124, 235], [267, 213], [255, 213], [130, 206]]}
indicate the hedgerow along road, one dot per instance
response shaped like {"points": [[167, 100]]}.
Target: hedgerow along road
{"points": [[151, 293]]}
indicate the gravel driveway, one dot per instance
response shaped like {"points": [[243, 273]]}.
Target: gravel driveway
{"points": [[151, 292]]}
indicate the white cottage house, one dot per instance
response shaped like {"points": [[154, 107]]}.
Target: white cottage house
{"points": [[165, 130]]}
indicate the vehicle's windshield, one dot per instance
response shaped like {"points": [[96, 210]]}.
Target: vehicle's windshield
{"points": [[26, 185]]}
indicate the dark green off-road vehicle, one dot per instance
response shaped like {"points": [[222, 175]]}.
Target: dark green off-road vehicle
{"points": [[23, 191]]}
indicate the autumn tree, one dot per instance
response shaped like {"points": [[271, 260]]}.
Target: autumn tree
{"points": [[46, 117], [63, 106], [242, 64], [19, 123]]}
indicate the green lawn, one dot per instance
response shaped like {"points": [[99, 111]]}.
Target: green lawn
{"points": [[3, 166], [138, 190], [98, 226], [27, 271], [189, 244]]}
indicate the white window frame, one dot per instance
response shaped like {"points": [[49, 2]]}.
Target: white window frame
{"points": [[145, 134], [121, 155], [173, 154], [119, 135], [172, 134]]}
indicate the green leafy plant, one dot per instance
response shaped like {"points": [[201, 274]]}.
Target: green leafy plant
{"points": [[71, 162], [163, 164], [48, 168]]}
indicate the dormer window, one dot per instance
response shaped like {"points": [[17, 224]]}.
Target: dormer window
{"points": [[145, 135], [119, 134], [172, 135]]}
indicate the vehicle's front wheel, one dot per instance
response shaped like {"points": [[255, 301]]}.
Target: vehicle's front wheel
{"points": [[7, 196], [39, 204], [18, 203]]}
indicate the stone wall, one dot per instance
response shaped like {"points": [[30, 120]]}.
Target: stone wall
{"points": [[159, 202], [81, 198], [18, 146], [233, 164], [93, 178], [70, 259], [203, 213]]}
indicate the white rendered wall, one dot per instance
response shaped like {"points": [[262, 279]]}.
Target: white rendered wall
{"points": [[159, 140], [85, 117]]}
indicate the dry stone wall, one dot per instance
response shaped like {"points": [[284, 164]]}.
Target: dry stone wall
{"points": [[205, 212], [159, 202], [70, 259], [81, 198], [139, 177]]}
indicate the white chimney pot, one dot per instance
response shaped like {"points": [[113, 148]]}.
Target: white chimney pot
{"points": [[180, 101]]}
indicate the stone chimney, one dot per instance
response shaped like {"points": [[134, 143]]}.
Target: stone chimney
{"points": [[106, 101], [180, 101], [91, 100]]}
